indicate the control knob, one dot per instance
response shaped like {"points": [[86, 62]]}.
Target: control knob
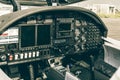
{"points": [[3, 57]]}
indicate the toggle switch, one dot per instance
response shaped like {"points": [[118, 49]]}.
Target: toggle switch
{"points": [[30, 55], [33, 54], [26, 55], [21, 56], [16, 57], [37, 54]]}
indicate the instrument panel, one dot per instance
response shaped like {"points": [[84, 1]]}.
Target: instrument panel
{"points": [[44, 34]]}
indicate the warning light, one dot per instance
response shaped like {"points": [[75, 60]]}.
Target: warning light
{"points": [[11, 57]]}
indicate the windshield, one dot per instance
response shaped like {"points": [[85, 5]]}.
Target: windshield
{"points": [[42, 2]]}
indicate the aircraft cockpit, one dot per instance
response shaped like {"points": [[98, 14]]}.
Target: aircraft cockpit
{"points": [[52, 43]]}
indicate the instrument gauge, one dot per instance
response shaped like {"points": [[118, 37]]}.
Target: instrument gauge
{"points": [[77, 23], [40, 19], [76, 38], [82, 47], [77, 32], [83, 38], [83, 29]]}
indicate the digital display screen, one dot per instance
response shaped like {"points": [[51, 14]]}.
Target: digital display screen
{"points": [[64, 26], [64, 30], [35, 35], [27, 36], [43, 35]]}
